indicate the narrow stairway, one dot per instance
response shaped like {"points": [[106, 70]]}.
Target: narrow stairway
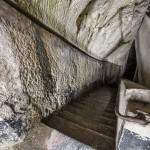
{"points": [[91, 119]]}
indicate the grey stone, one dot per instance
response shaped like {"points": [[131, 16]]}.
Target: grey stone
{"points": [[43, 137], [104, 29], [133, 141], [39, 73]]}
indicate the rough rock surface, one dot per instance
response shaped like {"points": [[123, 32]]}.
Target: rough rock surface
{"points": [[102, 28], [40, 71], [143, 53], [90, 120], [43, 137], [133, 141], [131, 135]]}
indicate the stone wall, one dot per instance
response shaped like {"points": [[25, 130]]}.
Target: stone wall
{"points": [[39, 73], [104, 29]]}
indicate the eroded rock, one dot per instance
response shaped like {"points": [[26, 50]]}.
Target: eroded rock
{"points": [[39, 73], [101, 28]]}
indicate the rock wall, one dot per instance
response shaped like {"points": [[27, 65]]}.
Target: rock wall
{"points": [[143, 53], [39, 73], [104, 29]]}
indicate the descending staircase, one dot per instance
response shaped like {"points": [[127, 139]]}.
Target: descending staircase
{"points": [[90, 119]]}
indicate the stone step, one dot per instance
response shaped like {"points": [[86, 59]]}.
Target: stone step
{"points": [[90, 113], [109, 115], [98, 119], [90, 119], [93, 125], [85, 135], [106, 107], [42, 137]]}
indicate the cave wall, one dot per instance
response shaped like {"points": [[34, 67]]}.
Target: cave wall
{"points": [[104, 29], [39, 73]]}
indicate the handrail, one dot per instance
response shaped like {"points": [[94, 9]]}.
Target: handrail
{"points": [[139, 118]]}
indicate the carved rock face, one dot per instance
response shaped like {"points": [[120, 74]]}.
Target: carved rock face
{"points": [[102, 28], [39, 73], [13, 101]]}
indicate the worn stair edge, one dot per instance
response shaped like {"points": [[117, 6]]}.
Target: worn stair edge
{"points": [[91, 114], [93, 138], [101, 119], [78, 112], [96, 126]]}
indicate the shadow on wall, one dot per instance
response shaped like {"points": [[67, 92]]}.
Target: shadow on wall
{"points": [[131, 64]]}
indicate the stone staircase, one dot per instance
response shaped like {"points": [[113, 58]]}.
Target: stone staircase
{"points": [[90, 119], [85, 124]]}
